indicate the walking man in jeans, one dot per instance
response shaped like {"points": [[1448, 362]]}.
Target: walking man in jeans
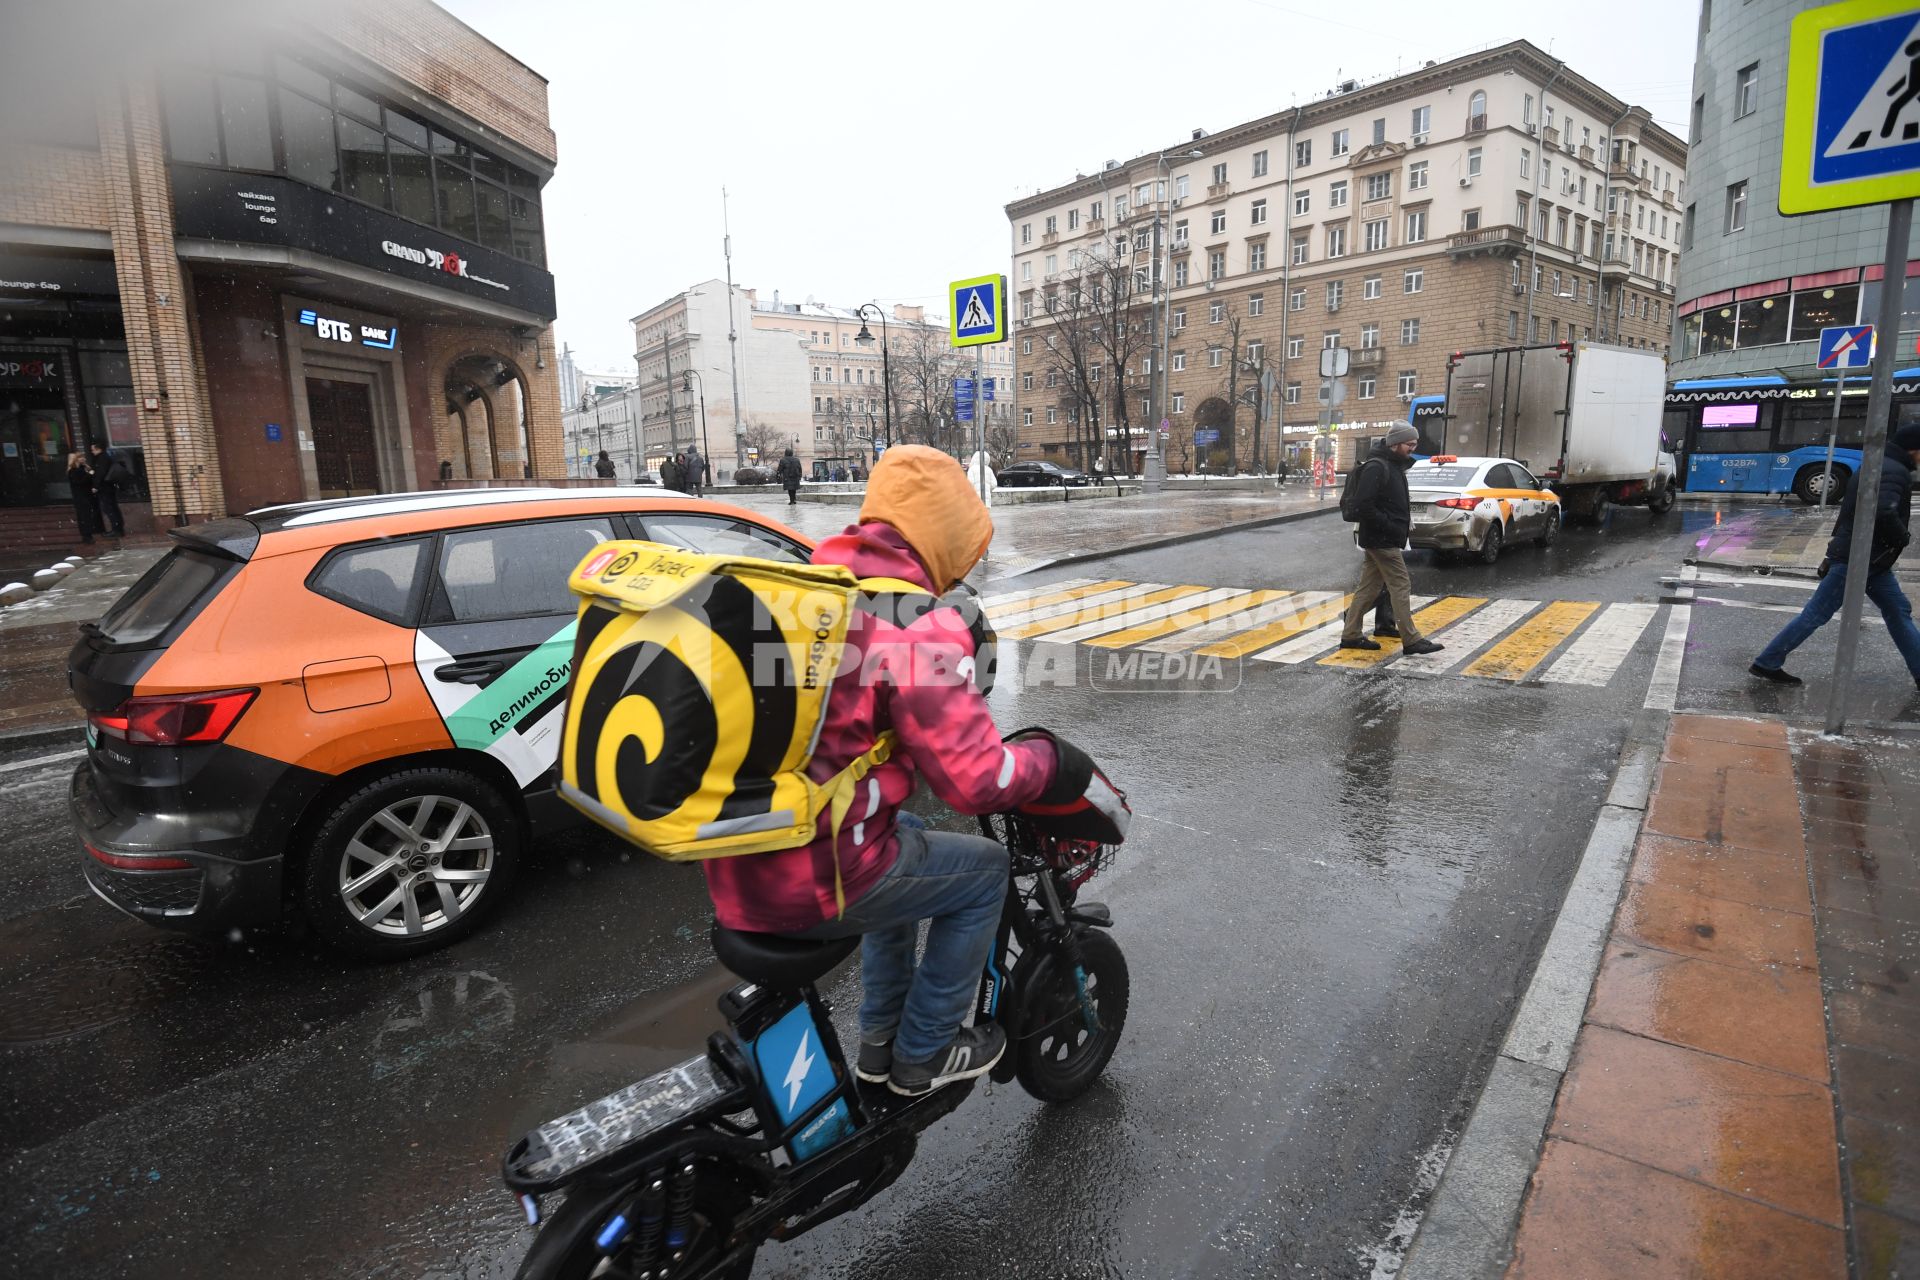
{"points": [[1892, 518], [1383, 515]]}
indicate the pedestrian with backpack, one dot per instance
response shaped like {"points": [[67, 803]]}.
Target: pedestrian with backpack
{"points": [[1375, 500]]}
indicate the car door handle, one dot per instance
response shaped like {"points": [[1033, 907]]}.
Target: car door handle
{"points": [[471, 671]]}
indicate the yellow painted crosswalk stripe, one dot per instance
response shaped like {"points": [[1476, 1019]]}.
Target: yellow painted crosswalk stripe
{"points": [[1277, 632], [1093, 613], [1189, 618], [1440, 613], [1054, 597], [1526, 648]]}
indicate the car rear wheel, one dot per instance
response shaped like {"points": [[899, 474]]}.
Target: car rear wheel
{"points": [[1549, 532], [410, 863], [1490, 546]]}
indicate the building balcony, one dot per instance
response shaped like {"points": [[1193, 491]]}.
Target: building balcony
{"points": [[1050, 238], [1550, 136], [1489, 240], [1368, 357], [1219, 191], [1477, 124]]}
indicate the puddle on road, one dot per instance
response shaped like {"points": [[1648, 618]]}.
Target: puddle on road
{"points": [[77, 994]]}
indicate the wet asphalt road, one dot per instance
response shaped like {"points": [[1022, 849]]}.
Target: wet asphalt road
{"points": [[1336, 890]]}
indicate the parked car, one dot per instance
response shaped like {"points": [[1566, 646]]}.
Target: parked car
{"points": [[1479, 505], [350, 707], [1041, 473]]}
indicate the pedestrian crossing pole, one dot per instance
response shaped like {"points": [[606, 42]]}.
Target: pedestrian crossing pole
{"points": [[1873, 446]]}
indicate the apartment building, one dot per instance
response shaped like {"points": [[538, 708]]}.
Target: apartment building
{"points": [[291, 255], [807, 381], [1493, 199]]}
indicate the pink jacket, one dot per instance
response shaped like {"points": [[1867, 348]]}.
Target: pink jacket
{"points": [[914, 681]]}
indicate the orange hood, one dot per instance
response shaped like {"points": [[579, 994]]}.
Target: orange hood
{"points": [[924, 494]]}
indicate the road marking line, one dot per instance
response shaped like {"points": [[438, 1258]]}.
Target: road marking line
{"points": [[1466, 637], [1747, 604], [1287, 605], [1663, 691], [1143, 593], [37, 761], [1248, 640], [1031, 595], [1227, 606], [1596, 656], [1318, 641], [1076, 599], [1517, 655], [1435, 617], [1148, 613]]}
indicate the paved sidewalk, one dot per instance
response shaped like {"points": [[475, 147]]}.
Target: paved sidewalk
{"points": [[1034, 535], [1755, 993], [36, 634]]}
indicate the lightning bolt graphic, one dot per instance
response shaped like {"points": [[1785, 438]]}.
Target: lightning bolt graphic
{"points": [[797, 1072]]}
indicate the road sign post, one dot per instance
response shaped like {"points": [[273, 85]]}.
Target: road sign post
{"points": [[1842, 347], [978, 307], [1851, 137]]}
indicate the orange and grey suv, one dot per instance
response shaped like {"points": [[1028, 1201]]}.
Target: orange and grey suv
{"points": [[349, 708]]}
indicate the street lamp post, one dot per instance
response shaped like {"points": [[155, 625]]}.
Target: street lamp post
{"points": [[686, 384], [1163, 245], [865, 338]]}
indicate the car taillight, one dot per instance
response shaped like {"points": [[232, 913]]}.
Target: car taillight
{"points": [[170, 720], [1458, 504], [139, 861]]}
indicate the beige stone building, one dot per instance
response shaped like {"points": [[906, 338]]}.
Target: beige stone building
{"points": [[1495, 199], [294, 256]]}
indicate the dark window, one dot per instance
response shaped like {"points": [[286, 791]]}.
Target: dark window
{"points": [[1763, 322], [515, 570], [358, 104], [1807, 422], [712, 535], [193, 130], [492, 168], [363, 162], [1716, 330], [451, 151], [528, 241], [407, 129], [491, 205], [1757, 440], [166, 594], [412, 181], [454, 187], [381, 579], [1816, 309], [306, 137], [297, 75], [244, 123]]}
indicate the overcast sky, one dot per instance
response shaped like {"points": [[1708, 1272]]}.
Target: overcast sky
{"points": [[869, 148]]}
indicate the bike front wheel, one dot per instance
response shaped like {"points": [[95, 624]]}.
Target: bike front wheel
{"points": [[1064, 1056]]}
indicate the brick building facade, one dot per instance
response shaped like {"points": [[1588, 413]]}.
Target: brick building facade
{"points": [[293, 258], [1495, 199]]}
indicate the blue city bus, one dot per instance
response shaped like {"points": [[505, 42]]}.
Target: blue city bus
{"points": [[1768, 433], [1428, 416]]}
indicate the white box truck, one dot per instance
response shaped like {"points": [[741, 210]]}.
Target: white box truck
{"points": [[1583, 416]]}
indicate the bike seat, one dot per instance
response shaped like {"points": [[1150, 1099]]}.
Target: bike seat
{"points": [[775, 960]]}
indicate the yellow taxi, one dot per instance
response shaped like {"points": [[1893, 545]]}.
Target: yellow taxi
{"points": [[1479, 505]]}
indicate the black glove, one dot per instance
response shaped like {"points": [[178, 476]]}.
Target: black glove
{"points": [[1080, 803], [1825, 564]]}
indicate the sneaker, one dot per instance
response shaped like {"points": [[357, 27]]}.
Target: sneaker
{"points": [[973, 1053], [1422, 646], [1359, 642], [1776, 674], [876, 1061], [1386, 633]]}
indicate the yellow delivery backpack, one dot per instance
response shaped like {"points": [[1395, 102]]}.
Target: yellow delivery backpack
{"points": [[699, 687]]}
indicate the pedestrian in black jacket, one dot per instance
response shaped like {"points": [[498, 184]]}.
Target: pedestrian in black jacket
{"points": [[1383, 515], [789, 473], [110, 471], [1892, 523], [80, 484]]}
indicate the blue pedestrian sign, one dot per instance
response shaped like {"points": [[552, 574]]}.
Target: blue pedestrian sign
{"points": [[1851, 128], [979, 310], [1207, 435], [1846, 346]]}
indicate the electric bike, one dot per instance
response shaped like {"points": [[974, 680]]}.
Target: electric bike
{"points": [[770, 1133]]}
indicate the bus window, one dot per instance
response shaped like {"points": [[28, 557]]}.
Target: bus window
{"points": [[1734, 428], [1807, 423]]}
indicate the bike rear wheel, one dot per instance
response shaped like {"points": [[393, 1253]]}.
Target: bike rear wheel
{"points": [[565, 1249], [1059, 1063]]}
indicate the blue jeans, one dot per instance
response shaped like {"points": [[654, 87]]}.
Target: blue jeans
{"points": [[959, 882], [1882, 588]]}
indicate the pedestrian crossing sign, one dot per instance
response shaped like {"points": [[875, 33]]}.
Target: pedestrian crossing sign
{"points": [[1852, 127], [979, 310]]}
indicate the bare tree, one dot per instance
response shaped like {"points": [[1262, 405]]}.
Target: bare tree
{"points": [[765, 442], [1121, 296], [924, 367], [1072, 355]]}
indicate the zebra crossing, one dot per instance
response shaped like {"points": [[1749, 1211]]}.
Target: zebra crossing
{"points": [[1577, 642]]}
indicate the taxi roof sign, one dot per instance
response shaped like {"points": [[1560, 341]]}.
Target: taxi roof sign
{"points": [[979, 310], [1852, 129]]}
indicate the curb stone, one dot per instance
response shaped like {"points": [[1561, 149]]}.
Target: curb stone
{"points": [[1467, 1230]]}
